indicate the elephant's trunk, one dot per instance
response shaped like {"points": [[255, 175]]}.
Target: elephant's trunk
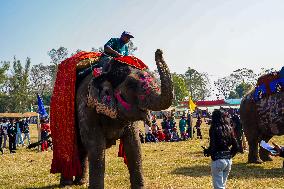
{"points": [[163, 101]]}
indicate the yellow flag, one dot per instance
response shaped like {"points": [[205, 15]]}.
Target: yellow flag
{"points": [[191, 105]]}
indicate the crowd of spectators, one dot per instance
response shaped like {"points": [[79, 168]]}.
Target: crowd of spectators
{"points": [[15, 133], [169, 131]]}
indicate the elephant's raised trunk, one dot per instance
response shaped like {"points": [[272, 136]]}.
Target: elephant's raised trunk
{"points": [[164, 100]]}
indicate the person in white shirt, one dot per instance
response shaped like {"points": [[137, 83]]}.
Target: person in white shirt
{"points": [[5, 132]]}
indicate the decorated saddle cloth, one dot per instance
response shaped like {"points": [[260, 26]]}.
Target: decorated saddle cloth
{"points": [[267, 85], [269, 103], [62, 116], [99, 62]]}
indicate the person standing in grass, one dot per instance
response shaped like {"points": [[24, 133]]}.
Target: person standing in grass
{"points": [[189, 125], [45, 130], [5, 132], [166, 128], [26, 131], [172, 121], [19, 137], [223, 146], [198, 127], [182, 127], [1, 133], [12, 132]]}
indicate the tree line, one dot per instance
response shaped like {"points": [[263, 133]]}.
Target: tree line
{"points": [[20, 82], [198, 86]]}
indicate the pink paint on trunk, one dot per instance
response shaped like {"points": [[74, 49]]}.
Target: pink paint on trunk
{"points": [[122, 102]]}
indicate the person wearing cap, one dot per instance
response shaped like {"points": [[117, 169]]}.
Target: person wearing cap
{"points": [[116, 47]]}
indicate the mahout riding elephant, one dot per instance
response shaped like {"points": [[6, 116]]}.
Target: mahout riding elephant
{"points": [[132, 93], [262, 116]]}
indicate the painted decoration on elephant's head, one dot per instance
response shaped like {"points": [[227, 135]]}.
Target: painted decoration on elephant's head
{"points": [[121, 101], [148, 83]]}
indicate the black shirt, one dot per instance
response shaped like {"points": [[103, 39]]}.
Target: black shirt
{"points": [[222, 139]]}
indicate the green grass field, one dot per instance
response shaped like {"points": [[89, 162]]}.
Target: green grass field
{"points": [[166, 165]]}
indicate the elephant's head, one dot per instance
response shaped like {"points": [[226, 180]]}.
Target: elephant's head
{"points": [[137, 91]]}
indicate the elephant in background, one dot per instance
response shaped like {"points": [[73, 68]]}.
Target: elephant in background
{"points": [[131, 93], [261, 120]]}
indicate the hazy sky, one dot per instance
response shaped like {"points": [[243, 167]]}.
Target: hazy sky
{"points": [[211, 36]]}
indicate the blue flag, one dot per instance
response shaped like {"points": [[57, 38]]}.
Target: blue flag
{"points": [[41, 109]]}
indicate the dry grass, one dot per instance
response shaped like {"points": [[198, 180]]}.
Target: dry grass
{"points": [[166, 165]]}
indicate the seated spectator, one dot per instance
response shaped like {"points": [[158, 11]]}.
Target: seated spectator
{"points": [[175, 136], [150, 137], [161, 136], [154, 130]]}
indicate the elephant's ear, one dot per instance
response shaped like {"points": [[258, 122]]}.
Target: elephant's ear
{"points": [[101, 98]]}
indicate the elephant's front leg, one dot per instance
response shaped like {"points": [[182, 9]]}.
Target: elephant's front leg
{"points": [[96, 156], [253, 156], [132, 148]]}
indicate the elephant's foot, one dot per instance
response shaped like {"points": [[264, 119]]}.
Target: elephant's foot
{"points": [[254, 160], [258, 161], [65, 182], [80, 181]]}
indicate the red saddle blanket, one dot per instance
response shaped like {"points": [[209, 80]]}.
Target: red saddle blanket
{"points": [[132, 61], [62, 117], [62, 113]]}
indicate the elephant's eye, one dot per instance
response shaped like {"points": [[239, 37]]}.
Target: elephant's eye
{"points": [[132, 84], [141, 76]]}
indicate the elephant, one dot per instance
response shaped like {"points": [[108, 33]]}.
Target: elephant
{"points": [[133, 93], [262, 117]]}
